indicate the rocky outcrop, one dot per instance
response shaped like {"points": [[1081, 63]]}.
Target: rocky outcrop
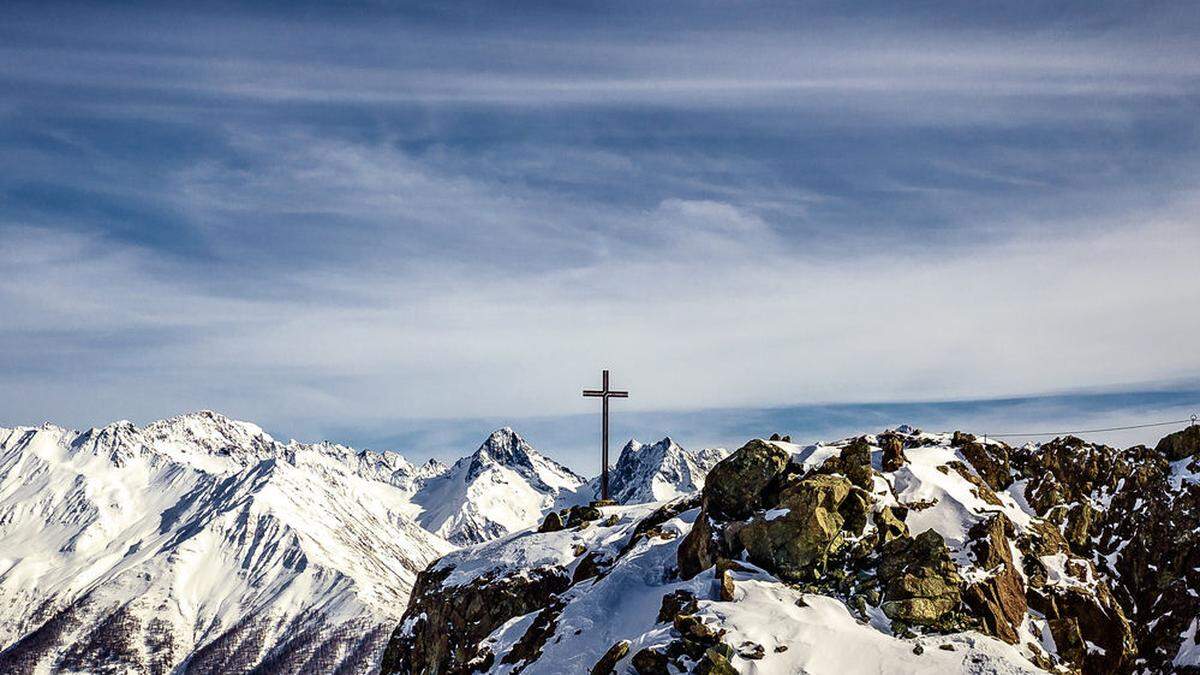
{"points": [[920, 581], [1180, 445], [797, 536], [443, 627], [1083, 557], [999, 600], [737, 485]]}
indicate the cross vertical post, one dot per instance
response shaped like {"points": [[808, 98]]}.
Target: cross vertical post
{"points": [[604, 394]]}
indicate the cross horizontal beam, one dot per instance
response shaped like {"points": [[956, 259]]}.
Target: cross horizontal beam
{"points": [[611, 394]]}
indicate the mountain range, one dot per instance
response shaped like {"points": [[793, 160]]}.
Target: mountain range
{"points": [[200, 544]]}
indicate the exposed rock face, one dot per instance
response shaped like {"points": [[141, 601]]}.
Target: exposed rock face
{"points": [[1180, 444], [921, 583], [1080, 557], [797, 543], [442, 629], [735, 487], [998, 601]]}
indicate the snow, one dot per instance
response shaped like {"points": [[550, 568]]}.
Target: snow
{"points": [[772, 514], [1181, 473], [654, 472], [1189, 651], [202, 522], [822, 636], [503, 487]]}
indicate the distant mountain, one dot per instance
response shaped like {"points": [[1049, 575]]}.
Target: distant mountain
{"points": [[504, 486], [658, 471], [200, 544]]}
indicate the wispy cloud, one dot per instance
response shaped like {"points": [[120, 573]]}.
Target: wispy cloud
{"points": [[315, 220]]}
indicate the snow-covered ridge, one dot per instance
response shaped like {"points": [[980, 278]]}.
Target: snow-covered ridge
{"points": [[201, 540], [659, 471], [503, 487]]}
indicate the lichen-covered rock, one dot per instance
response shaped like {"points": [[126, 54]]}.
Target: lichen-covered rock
{"points": [[889, 523], [796, 544], [921, 582], [735, 487], [855, 463]]}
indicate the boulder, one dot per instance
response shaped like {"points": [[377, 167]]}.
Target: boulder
{"points": [[579, 515], [715, 663], [443, 627], [608, 663], [990, 462], [677, 603], [700, 549], [855, 460], [921, 582], [890, 523], [1180, 444], [650, 662], [796, 545], [735, 487], [553, 522], [893, 452]]}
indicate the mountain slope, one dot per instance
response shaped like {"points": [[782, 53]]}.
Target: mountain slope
{"points": [[504, 486], [659, 471], [898, 552], [201, 543]]}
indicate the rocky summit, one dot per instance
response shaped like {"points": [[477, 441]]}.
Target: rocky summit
{"points": [[901, 551]]}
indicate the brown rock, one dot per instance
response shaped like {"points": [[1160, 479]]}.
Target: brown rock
{"points": [[796, 545], [1180, 444], [990, 462], [998, 601], [608, 663], [734, 489], [676, 603], [552, 523], [726, 581], [699, 549], [650, 662], [921, 582], [893, 452]]}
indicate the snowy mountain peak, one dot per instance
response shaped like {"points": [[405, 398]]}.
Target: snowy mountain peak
{"points": [[658, 471], [200, 539], [503, 446], [504, 486]]}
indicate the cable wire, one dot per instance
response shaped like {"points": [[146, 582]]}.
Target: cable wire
{"points": [[1092, 431]]}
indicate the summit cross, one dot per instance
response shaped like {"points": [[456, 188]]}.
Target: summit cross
{"points": [[604, 394]]}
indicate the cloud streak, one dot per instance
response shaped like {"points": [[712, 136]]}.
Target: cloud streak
{"points": [[317, 221]]}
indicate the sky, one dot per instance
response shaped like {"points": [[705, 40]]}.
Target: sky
{"points": [[399, 224]]}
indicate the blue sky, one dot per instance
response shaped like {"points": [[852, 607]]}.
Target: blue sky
{"points": [[400, 223]]}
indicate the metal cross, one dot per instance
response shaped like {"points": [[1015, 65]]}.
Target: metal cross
{"points": [[604, 394]]}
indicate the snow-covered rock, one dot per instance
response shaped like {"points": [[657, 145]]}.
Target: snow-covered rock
{"points": [[503, 487], [202, 542], [893, 553]]}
